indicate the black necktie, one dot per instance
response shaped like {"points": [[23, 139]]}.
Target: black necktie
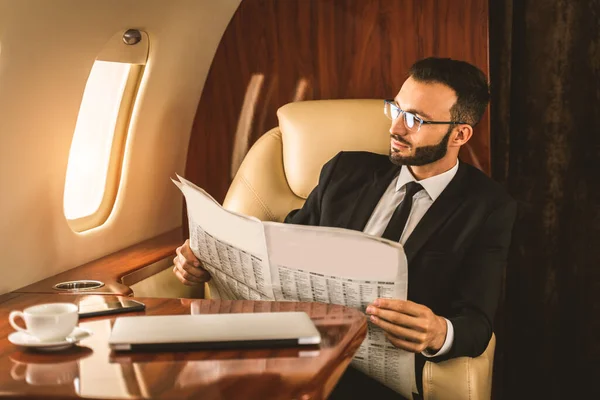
{"points": [[395, 227]]}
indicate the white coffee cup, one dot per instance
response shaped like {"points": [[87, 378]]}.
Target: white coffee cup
{"points": [[47, 322]]}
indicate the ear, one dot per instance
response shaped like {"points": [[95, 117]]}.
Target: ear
{"points": [[462, 135]]}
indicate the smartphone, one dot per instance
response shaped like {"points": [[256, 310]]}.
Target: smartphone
{"points": [[115, 307]]}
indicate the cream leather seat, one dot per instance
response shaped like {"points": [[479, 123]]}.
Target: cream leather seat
{"points": [[282, 168]]}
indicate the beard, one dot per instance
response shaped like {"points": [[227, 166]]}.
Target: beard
{"points": [[423, 155]]}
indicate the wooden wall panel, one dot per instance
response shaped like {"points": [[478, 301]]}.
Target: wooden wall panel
{"points": [[275, 52]]}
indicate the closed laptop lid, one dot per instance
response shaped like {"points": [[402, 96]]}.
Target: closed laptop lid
{"points": [[184, 332]]}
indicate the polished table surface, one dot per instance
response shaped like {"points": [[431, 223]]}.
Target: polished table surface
{"points": [[92, 370]]}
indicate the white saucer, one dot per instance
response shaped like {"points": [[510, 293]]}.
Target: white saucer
{"points": [[24, 339]]}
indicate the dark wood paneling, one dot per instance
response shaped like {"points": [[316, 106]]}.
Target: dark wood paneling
{"points": [[113, 267], [325, 49], [88, 371]]}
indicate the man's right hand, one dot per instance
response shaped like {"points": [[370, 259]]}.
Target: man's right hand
{"points": [[188, 269]]}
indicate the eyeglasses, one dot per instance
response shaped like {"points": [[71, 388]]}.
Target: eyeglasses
{"points": [[411, 121]]}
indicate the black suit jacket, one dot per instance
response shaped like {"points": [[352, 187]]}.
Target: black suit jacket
{"points": [[456, 254]]}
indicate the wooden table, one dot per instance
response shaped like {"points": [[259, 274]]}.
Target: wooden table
{"points": [[91, 370]]}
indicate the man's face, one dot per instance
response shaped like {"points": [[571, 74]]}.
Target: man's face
{"points": [[430, 102]]}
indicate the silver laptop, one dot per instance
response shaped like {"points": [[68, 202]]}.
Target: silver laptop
{"points": [[212, 331]]}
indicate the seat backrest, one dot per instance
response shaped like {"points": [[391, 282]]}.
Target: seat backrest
{"points": [[283, 166]]}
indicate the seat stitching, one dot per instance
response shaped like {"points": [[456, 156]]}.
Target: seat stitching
{"points": [[262, 204], [431, 388], [468, 363]]}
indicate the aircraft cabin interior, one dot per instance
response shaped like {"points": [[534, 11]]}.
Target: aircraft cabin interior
{"points": [[299, 199]]}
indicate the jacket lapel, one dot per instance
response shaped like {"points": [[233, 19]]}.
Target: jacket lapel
{"points": [[369, 197], [439, 211]]}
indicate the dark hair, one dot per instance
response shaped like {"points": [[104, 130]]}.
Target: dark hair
{"points": [[469, 83]]}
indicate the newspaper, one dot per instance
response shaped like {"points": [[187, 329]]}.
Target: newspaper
{"points": [[253, 260]]}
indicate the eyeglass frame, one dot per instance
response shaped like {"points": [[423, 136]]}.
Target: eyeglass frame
{"points": [[421, 121]]}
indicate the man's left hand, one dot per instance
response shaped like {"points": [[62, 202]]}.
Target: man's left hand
{"points": [[409, 326]]}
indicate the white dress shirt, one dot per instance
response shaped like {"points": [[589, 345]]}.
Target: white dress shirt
{"points": [[422, 200]]}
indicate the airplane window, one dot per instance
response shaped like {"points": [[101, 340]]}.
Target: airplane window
{"points": [[98, 143], [98, 146]]}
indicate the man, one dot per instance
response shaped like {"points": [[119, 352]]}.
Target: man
{"points": [[454, 222]]}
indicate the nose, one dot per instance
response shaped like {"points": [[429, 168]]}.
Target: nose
{"points": [[397, 127]]}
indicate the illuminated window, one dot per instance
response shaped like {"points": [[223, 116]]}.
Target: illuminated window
{"points": [[93, 138], [96, 155]]}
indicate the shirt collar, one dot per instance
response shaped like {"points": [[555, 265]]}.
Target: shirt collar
{"points": [[434, 186]]}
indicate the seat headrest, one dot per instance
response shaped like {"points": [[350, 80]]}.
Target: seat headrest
{"points": [[314, 131]]}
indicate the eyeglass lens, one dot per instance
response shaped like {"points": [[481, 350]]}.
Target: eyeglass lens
{"points": [[409, 120], [393, 112]]}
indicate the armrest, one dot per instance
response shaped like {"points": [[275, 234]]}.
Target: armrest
{"points": [[460, 378], [111, 268]]}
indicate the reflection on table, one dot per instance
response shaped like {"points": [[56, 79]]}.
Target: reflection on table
{"points": [[92, 370]]}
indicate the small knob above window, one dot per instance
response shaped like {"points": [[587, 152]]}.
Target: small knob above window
{"points": [[132, 36]]}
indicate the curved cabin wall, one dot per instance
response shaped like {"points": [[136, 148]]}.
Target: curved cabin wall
{"points": [[47, 52], [275, 52]]}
